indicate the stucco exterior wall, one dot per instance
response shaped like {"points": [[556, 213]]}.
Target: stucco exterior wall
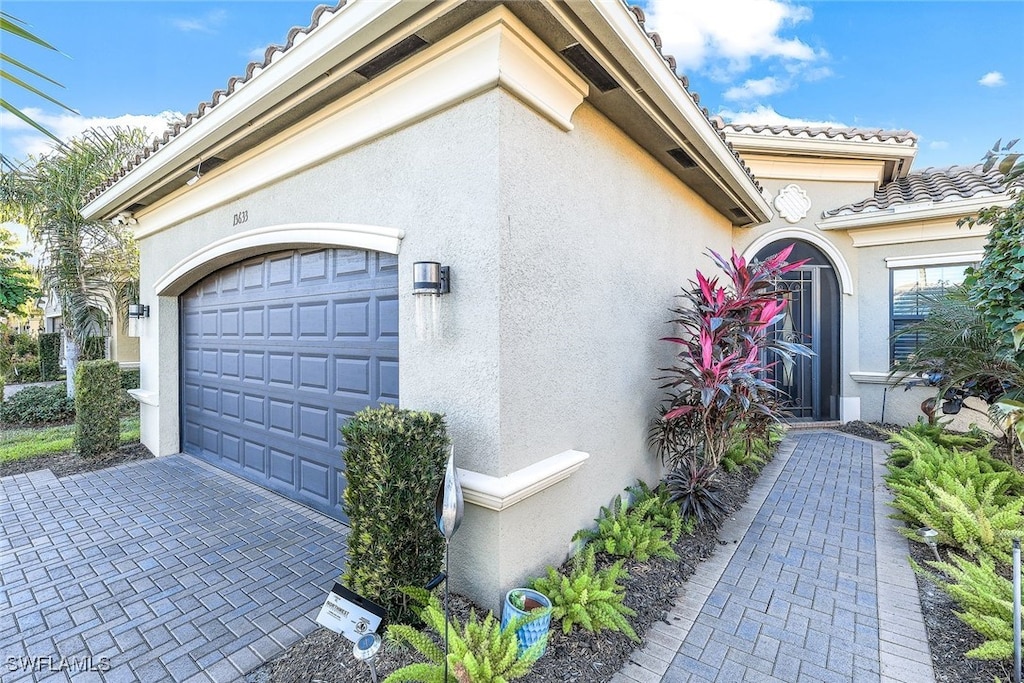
{"points": [[596, 239]]}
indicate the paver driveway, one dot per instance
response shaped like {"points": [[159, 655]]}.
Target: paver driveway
{"points": [[165, 569]]}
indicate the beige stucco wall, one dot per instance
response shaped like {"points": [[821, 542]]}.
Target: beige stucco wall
{"points": [[566, 249], [596, 240]]}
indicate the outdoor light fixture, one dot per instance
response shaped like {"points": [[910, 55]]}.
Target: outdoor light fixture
{"points": [[365, 649], [195, 179], [430, 277], [929, 534], [138, 311]]}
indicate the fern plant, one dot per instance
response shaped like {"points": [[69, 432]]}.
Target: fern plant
{"points": [[664, 514], [480, 652], [631, 531], [985, 599], [965, 515], [586, 597], [916, 459]]}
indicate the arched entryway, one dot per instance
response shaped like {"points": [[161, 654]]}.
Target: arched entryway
{"points": [[812, 315]]}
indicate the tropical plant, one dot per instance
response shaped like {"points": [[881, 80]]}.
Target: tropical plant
{"points": [[916, 460], [17, 281], [480, 652], [587, 597], [695, 488], [985, 599], [718, 376], [16, 28], [662, 513], [630, 531], [752, 444], [91, 266]]}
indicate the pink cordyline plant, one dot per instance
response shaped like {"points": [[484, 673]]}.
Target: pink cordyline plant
{"points": [[718, 379]]}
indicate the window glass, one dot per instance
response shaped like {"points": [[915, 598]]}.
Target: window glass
{"points": [[911, 290]]}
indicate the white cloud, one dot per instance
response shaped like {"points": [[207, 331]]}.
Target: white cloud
{"points": [[257, 54], [20, 139], [767, 116], [724, 36], [755, 89], [208, 23], [993, 79], [938, 144]]}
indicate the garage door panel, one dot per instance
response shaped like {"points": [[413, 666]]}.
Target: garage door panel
{"points": [[300, 341]]}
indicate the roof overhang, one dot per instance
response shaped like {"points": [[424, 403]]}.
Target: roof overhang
{"points": [[913, 213], [300, 79], [895, 157]]}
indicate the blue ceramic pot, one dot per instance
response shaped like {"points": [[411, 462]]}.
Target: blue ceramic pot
{"points": [[536, 629]]}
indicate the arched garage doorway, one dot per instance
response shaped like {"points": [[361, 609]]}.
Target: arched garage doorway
{"points": [[812, 314], [276, 352]]}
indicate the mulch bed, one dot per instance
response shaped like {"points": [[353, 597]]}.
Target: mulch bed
{"points": [[948, 637], [69, 462], [577, 657]]}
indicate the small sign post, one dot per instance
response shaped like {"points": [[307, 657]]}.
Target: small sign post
{"points": [[349, 614]]}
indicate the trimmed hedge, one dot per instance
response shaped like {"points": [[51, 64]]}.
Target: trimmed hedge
{"points": [[24, 370], [38, 406], [129, 380], [97, 407], [49, 356], [394, 463]]}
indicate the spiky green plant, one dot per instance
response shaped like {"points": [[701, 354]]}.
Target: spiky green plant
{"points": [[663, 514], [630, 531], [965, 515], [917, 459], [695, 489], [479, 652], [588, 598], [985, 599]]}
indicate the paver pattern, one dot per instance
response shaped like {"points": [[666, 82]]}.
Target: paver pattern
{"points": [[165, 569], [804, 595]]}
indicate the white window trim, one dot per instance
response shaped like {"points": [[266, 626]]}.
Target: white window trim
{"points": [[893, 262]]}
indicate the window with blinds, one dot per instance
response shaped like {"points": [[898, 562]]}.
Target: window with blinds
{"points": [[911, 290]]}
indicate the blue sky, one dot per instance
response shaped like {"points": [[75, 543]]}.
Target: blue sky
{"points": [[949, 71]]}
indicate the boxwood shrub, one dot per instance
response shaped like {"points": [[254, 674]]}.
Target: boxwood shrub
{"points": [[49, 356], [97, 406], [95, 349], [394, 462], [129, 380], [38, 406]]}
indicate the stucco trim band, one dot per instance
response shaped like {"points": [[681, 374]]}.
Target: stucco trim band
{"points": [[934, 259], [868, 377], [142, 396], [291, 236], [500, 493]]}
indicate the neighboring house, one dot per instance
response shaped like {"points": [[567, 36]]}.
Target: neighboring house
{"points": [[879, 235], [549, 155]]}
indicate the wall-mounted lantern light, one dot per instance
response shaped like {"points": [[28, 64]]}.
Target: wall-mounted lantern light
{"points": [[430, 277], [138, 311]]}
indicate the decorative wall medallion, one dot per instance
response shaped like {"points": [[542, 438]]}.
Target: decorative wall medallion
{"points": [[792, 203]]}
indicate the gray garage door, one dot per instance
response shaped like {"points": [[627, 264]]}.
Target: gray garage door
{"points": [[277, 352]]}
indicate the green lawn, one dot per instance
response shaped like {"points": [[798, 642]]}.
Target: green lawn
{"points": [[19, 444]]}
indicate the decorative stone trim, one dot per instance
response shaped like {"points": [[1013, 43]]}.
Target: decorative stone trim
{"points": [[500, 493]]}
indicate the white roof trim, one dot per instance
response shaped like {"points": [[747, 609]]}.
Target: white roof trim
{"points": [[934, 259], [918, 211]]}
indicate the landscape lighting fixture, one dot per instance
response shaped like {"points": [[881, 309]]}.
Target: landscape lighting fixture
{"points": [[929, 534]]}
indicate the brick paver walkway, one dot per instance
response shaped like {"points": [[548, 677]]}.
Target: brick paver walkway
{"points": [[817, 587], [168, 568]]}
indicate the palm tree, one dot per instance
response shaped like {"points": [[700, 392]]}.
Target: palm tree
{"points": [[15, 27], [90, 266]]}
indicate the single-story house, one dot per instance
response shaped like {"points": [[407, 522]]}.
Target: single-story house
{"points": [[549, 155]]}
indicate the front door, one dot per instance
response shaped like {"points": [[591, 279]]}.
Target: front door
{"points": [[809, 386]]}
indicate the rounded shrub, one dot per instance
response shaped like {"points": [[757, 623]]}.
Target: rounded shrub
{"points": [[97, 407], [394, 462], [38, 406]]}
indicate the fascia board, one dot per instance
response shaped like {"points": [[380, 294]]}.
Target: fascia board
{"points": [[651, 83], [354, 27]]}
